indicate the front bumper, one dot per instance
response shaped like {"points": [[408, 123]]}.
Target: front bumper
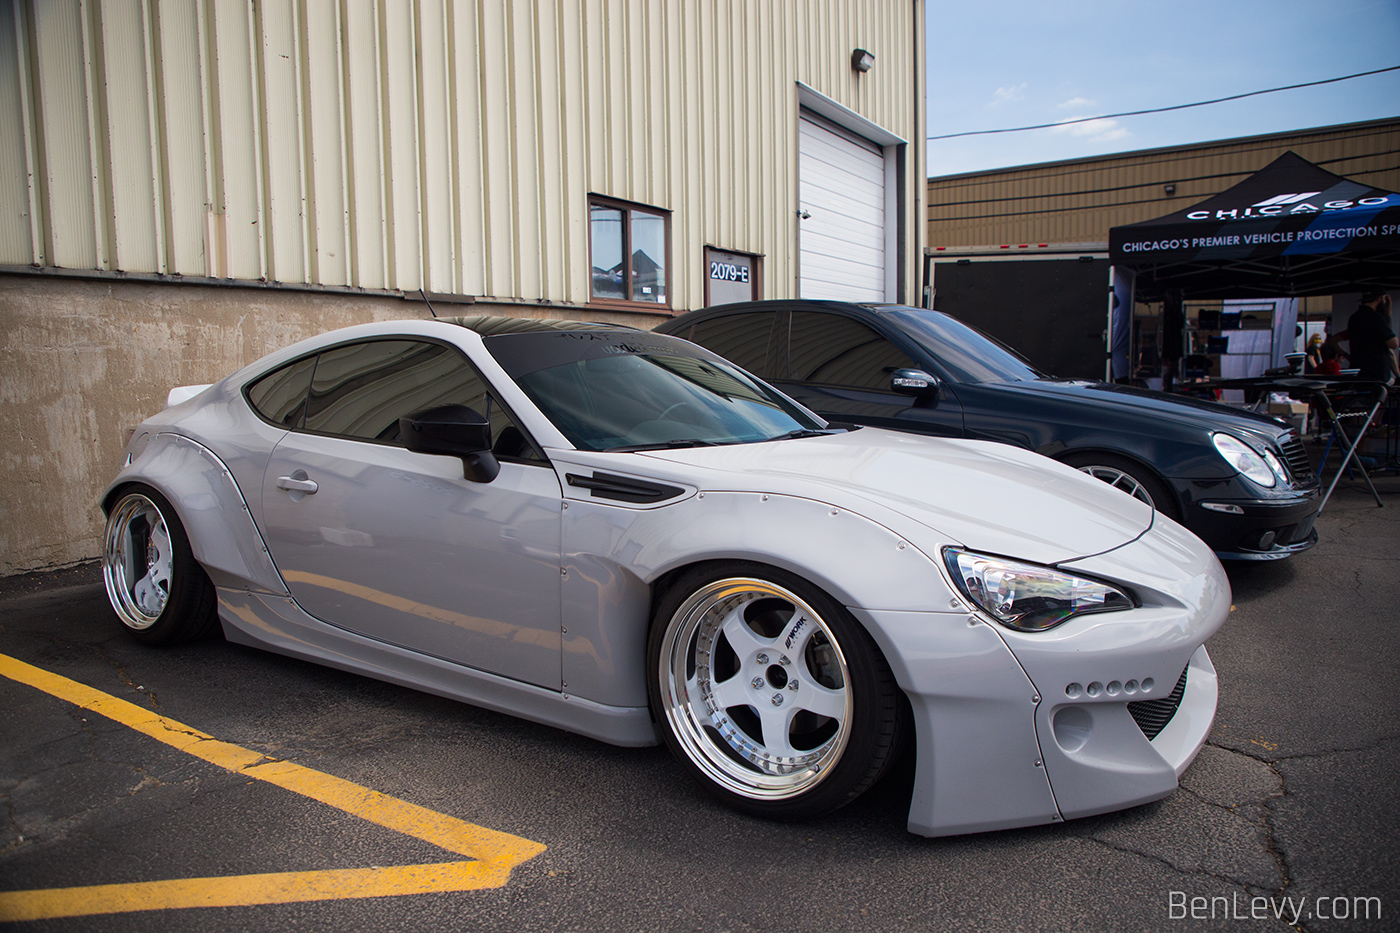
{"points": [[1240, 526], [1020, 729], [1099, 758]]}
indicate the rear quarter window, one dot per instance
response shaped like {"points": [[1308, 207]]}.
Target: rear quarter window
{"points": [[280, 396]]}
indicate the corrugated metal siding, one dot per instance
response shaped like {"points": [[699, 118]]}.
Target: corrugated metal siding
{"points": [[443, 144], [1077, 202]]}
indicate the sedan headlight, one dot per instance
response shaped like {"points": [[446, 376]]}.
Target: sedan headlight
{"points": [[1029, 597], [1244, 458]]}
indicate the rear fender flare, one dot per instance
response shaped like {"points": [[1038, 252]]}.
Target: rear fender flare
{"points": [[210, 505]]}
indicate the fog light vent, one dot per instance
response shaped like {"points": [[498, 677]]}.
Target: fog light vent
{"points": [[1072, 725]]}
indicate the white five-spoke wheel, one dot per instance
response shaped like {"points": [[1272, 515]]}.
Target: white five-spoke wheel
{"points": [[158, 590], [770, 692]]}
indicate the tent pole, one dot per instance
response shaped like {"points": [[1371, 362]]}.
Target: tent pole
{"points": [[1108, 332]]}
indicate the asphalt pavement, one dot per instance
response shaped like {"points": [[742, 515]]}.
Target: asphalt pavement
{"points": [[1287, 820]]}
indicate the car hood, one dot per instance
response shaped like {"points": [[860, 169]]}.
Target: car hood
{"points": [[982, 495], [1158, 405]]}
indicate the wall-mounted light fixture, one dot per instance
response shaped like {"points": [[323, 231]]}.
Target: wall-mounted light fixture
{"points": [[862, 61], [1169, 189]]}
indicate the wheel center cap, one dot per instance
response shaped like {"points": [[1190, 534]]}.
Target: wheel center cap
{"points": [[777, 677]]}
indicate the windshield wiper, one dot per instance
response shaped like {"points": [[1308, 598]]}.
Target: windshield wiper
{"points": [[666, 445], [804, 432]]}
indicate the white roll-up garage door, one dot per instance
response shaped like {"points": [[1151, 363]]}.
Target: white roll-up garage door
{"points": [[841, 198]]}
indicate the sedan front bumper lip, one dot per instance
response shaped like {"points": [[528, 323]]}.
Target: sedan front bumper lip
{"points": [[1235, 527]]}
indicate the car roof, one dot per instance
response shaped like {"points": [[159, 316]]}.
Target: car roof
{"points": [[863, 309], [489, 325]]}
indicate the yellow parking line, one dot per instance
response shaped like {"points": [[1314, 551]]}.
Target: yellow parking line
{"points": [[494, 853]]}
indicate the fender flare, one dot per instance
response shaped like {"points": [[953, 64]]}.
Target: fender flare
{"points": [[210, 506]]}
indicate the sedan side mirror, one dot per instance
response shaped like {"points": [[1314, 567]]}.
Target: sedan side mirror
{"points": [[453, 431], [914, 382]]}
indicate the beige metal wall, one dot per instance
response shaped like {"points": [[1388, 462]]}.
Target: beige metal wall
{"points": [[448, 145], [1078, 201], [153, 149]]}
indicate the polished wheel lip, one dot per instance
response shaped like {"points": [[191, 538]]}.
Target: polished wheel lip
{"points": [[699, 727], [1119, 480], [138, 585]]}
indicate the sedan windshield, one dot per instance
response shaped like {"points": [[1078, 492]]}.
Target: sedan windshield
{"points": [[967, 354], [622, 390]]}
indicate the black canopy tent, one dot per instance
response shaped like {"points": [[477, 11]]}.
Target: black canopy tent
{"points": [[1290, 229]]}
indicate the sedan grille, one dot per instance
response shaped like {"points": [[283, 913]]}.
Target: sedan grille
{"points": [[1152, 716], [1296, 456]]}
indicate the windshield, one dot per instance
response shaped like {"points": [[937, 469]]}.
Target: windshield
{"points": [[967, 354], [631, 391]]}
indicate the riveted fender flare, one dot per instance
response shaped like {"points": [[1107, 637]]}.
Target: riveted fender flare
{"points": [[210, 505], [614, 557]]}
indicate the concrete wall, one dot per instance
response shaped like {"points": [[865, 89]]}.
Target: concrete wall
{"points": [[374, 148], [84, 360]]}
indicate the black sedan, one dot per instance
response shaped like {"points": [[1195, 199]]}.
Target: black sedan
{"points": [[1240, 480]]}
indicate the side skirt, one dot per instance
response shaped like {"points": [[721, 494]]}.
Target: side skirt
{"points": [[278, 624]]}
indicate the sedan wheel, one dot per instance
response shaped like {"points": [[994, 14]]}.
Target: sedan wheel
{"points": [[1129, 477], [158, 590], [1120, 480], [770, 692]]}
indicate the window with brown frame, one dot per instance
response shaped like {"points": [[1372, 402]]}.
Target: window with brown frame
{"points": [[630, 249]]}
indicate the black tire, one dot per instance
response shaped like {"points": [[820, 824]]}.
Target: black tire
{"points": [[1128, 476], [713, 698], [160, 593]]}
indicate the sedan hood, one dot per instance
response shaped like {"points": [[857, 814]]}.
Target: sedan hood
{"points": [[985, 496], [1158, 405]]}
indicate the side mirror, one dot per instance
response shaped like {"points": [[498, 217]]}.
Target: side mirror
{"points": [[453, 431], [914, 382]]}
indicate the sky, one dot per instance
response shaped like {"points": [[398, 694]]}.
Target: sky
{"points": [[1008, 63]]}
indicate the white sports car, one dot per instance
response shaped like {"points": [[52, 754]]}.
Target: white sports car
{"points": [[620, 534]]}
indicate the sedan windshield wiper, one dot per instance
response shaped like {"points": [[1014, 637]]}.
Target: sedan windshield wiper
{"points": [[666, 445]]}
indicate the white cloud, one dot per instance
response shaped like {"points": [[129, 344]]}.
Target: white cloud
{"points": [[1076, 102], [1099, 130], [1005, 95]]}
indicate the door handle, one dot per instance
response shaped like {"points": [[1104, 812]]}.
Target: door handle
{"points": [[297, 482]]}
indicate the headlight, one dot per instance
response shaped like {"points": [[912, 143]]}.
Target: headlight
{"points": [[1276, 465], [1028, 597], [1244, 458]]}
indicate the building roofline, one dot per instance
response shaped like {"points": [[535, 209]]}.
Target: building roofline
{"points": [[1163, 150]]}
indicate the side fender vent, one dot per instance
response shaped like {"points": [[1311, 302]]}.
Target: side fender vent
{"points": [[622, 488]]}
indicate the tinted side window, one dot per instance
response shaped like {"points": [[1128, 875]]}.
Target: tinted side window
{"points": [[280, 396], [360, 391], [740, 338], [830, 349]]}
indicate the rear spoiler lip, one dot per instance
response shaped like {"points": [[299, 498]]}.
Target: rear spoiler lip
{"points": [[183, 394]]}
